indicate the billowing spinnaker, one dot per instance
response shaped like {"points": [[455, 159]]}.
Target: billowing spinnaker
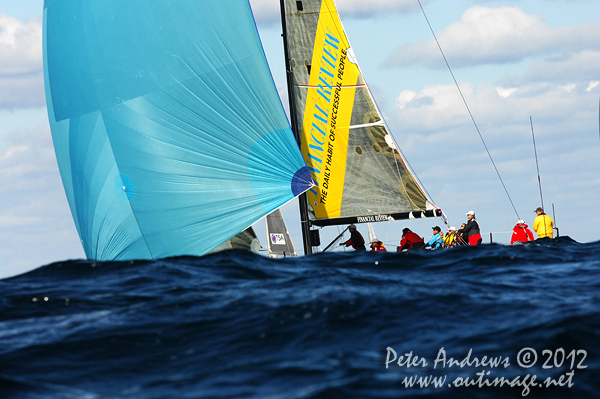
{"points": [[169, 134], [360, 173]]}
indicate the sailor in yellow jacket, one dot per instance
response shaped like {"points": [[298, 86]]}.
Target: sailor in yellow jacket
{"points": [[543, 224]]}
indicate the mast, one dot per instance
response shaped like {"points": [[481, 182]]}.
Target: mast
{"points": [[303, 201], [536, 163]]}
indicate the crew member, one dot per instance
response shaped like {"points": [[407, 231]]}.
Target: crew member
{"points": [[410, 241], [377, 246], [450, 237], [437, 241], [543, 224], [521, 233], [356, 239], [460, 237], [471, 231]]}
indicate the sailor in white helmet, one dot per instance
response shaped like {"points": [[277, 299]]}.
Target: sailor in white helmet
{"points": [[471, 232]]}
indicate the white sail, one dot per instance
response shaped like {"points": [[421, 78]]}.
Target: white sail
{"points": [[279, 242]]}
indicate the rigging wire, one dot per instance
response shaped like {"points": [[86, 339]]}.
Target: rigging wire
{"points": [[468, 109], [536, 162], [538, 172]]}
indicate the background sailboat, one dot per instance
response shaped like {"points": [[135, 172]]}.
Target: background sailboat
{"points": [[279, 242], [169, 134], [360, 174]]}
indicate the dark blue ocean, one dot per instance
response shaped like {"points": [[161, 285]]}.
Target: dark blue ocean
{"points": [[472, 322]]}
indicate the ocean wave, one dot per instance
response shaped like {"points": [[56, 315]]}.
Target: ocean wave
{"points": [[237, 324]]}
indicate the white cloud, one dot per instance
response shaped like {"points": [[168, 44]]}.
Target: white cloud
{"points": [[405, 97], [440, 107], [20, 46], [581, 67], [497, 35], [12, 151], [505, 92], [568, 88], [21, 76], [592, 85], [435, 131], [37, 224], [22, 91]]}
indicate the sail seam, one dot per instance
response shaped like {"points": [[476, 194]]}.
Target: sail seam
{"points": [[126, 193]]}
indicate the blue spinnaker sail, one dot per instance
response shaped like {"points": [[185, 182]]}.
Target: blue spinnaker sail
{"points": [[169, 133]]}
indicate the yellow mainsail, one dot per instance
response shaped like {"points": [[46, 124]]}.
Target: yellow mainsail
{"points": [[359, 172]]}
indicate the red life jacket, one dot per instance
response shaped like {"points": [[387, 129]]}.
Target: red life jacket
{"points": [[409, 239], [356, 240], [521, 233], [378, 248]]}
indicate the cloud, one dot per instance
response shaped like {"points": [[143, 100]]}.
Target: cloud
{"points": [[22, 91], [20, 46], [435, 131], [268, 12], [578, 67], [440, 107], [497, 35], [21, 70]]}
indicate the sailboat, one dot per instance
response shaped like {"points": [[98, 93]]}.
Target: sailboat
{"points": [[279, 242], [360, 175], [171, 139], [169, 134]]}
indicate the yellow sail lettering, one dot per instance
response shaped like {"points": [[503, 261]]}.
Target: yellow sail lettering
{"points": [[319, 160], [333, 57], [322, 90], [332, 38], [322, 93], [323, 198], [326, 72], [315, 173], [321, 118], [314, 125], [329, 155], [315, 147], [324, 58], [324, 112], [326, 181]]}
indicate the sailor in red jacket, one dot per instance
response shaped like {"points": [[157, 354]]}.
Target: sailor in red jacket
{"points": [[377, 246], [521, 233], [356, 239], [410, 241]]}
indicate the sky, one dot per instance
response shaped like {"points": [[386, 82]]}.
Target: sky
{"points": [[518, 63]]}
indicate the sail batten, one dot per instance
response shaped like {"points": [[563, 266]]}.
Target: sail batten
{"points": [[366, 125], [345, 142], [169, 133]]}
